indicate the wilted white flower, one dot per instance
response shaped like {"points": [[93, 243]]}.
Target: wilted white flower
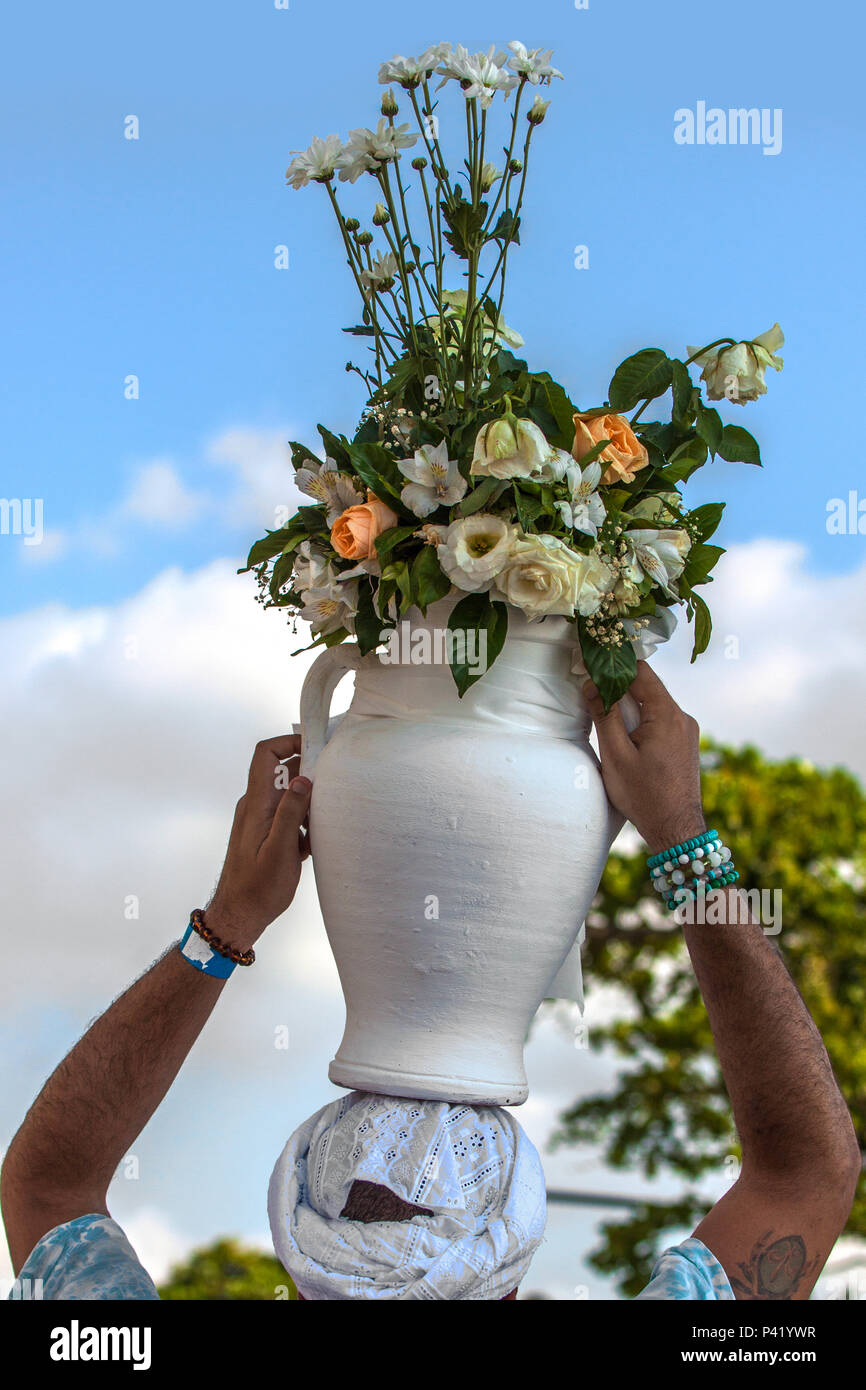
{"points": [[489, 176], [435, 480], [737, 373], [655, 630], [509, 448], [660, 555], [327, 484], [543, 576], [366, 150], [532, 63], [584, 509], [315, 164], [381, 273], [475, 550], [481, 75]]}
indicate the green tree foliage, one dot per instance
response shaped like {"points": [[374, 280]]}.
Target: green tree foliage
{"points": [[794, 828], [228, 1270]]}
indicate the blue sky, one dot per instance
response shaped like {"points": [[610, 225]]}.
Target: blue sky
{"points": [[155, 258]]}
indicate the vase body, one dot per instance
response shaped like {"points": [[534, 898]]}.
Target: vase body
{"points": [[457, 847]]}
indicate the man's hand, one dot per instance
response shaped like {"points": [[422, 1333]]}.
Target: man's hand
{"points": [[652, 775], [267, 846]]}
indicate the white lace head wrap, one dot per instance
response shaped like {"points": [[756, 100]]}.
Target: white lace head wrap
{"points": [[472, 1166]]}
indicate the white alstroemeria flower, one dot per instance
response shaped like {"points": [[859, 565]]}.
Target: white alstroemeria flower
{"points": [[382, 272], [434, 479], [660, 555], [480, 75], [555, 467], [330, 604], [510, 448], [369, 566], [532, 63], [475, 549], [317, 163], [410, 72], [309, 566], [584, 509], [367, 150], [327, 484], [736, 373]]}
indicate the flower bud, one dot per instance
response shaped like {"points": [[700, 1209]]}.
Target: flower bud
{"points": [[419, 162], [537, 111], [381, 216], [352, 224], [515, 165], [364, 238], [389, 103]]}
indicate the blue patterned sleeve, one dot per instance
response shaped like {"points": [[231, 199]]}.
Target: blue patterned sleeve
{"points": [[689, 1270], [85, 1259]]}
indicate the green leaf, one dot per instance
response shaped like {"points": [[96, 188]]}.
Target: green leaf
{"points": [[700, 560], [375, 467], [506, 229], [738, 446], [336, 447], [685, 460], [464, 223], [476, 614], [706, 519], [710, 428], [429, 583], [361, 330], [386, 541], [302, 457], [703, 625], [529, 507], [683, 392], [480, 496], [270, 545], [643, 376], [368, 624], [611, 669]]}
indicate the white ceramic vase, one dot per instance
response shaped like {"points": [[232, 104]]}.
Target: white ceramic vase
{"points": [[457, 846]]}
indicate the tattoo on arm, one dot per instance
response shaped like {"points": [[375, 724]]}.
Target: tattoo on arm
{"points": [[775, 1269]]}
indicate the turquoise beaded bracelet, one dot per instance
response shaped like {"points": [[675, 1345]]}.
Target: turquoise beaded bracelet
{"points": [[676, 850], [710, 863]]}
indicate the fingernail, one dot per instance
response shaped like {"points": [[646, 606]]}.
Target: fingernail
{"points": [[301, 786]]}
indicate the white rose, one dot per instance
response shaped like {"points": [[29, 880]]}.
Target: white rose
{"points": [[510, 448], [474, 551], [543, 576], [737, 373]]}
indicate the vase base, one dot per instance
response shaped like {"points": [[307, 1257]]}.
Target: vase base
{"points": [[463, 1090]]}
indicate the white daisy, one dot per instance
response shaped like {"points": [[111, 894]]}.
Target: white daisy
{"points": [[366, 150], [532, 63], [315, 164]]}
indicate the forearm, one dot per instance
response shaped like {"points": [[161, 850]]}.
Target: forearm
{"points": [[100, 1097], [789, 1113]]}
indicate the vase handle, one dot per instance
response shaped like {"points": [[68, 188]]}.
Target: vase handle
{"points": [[319, 685]]}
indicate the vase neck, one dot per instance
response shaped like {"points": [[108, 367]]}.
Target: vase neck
{"points": [[530, 687]]}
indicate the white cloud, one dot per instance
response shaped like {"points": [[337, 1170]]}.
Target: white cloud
{"points": [[261, 464], [158, 496]]}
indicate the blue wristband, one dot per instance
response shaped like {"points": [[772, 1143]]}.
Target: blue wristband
{"points": [[199, 954]]}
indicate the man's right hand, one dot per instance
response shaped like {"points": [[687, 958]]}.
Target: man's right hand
{"points": [[652, 775]]}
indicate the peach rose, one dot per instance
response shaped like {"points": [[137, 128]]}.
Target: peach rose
{"points": [[625, 455], [353, 534]]}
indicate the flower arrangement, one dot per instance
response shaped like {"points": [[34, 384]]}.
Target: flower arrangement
{"points": [[470, 474]]}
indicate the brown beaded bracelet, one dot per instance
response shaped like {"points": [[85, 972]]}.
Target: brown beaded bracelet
{"points": [[198, 924]]}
